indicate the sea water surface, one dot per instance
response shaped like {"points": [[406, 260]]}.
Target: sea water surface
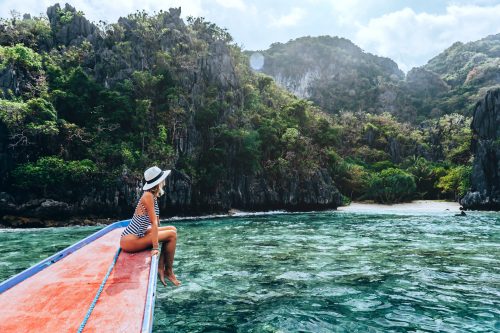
{"points": [[338, 271]]}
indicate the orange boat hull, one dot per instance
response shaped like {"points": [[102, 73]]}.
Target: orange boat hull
{"points": [[57, 298]]}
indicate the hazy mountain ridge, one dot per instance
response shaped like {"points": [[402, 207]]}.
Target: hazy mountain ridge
{"points": [[319, 68], [338, 76], [463, 63]]}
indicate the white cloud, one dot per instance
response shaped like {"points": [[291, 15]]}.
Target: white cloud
{"points": [[409, 37], [288, 20], [348, 11], [236, 4]]}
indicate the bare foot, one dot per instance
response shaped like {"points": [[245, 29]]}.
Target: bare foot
{"points": [[173, 279], [161, 272]]}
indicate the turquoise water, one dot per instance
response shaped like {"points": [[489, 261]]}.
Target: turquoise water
{"points": [[316, 272]]}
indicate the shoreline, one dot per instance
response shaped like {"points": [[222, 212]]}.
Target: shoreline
{"points": [[24, 222], [416, 207]]}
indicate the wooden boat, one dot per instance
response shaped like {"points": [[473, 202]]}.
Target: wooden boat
{"points": [[55, 294]]}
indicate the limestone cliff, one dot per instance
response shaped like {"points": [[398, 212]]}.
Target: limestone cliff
{"points": [[183, 76], [485, 180]]}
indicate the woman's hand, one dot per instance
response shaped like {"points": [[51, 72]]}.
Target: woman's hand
{"points": [[154, 252]]}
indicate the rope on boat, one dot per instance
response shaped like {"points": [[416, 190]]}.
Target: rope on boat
{"points": [[87, 316]]}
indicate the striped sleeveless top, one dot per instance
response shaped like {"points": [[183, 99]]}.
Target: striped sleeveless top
{"points": [[140, 223]]}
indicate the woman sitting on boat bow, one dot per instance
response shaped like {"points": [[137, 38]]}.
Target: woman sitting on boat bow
{"points": [[144, 229]]}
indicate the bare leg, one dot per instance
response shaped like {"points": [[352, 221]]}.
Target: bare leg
{"points": [[161, 265], [168, 227], [169, 259], [132, 243]]}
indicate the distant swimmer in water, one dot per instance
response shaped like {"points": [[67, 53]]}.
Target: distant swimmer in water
{"points": [[462, 213]]}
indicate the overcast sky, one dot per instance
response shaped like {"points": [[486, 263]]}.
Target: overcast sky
{"points": [[409, 32]]}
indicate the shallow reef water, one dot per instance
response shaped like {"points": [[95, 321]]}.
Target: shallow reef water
{"points": [[334, 271]]}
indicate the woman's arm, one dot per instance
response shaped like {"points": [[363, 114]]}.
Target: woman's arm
{"points": [[148, 201]]}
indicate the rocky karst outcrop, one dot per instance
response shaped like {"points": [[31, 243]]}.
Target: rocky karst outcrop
{"points": [[201, 67], [296, 193], [485, 179], [18, 80], [69, 27]]}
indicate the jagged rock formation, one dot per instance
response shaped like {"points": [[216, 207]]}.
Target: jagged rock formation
{"points": [[19, 81], [69, 27], [485, 180], [306, 192], [5, 159], [199, 69]]}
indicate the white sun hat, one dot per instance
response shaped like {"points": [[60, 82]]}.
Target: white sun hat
{"points": [[154, 176]]}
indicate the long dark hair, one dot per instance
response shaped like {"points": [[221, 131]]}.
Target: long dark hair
{"points": [[156, 189]]}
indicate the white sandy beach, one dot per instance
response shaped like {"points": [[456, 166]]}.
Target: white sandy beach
{"points": [[417, 206]]}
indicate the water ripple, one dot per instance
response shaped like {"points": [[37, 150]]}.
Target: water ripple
{"points": [[317, 272]]}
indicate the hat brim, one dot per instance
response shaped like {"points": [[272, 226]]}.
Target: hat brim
{"points": [[158, 181]]}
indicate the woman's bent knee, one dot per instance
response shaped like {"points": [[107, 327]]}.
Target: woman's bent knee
{"points": [[172, 236], [167, 235]]}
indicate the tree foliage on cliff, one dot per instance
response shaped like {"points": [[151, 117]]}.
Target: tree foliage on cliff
{"points": [[144, 91], [152, 89]]}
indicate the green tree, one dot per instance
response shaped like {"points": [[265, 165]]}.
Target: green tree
{"points": [[51, 176], [426, 175], [20, 56], [391, 186], [456, 182]]}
